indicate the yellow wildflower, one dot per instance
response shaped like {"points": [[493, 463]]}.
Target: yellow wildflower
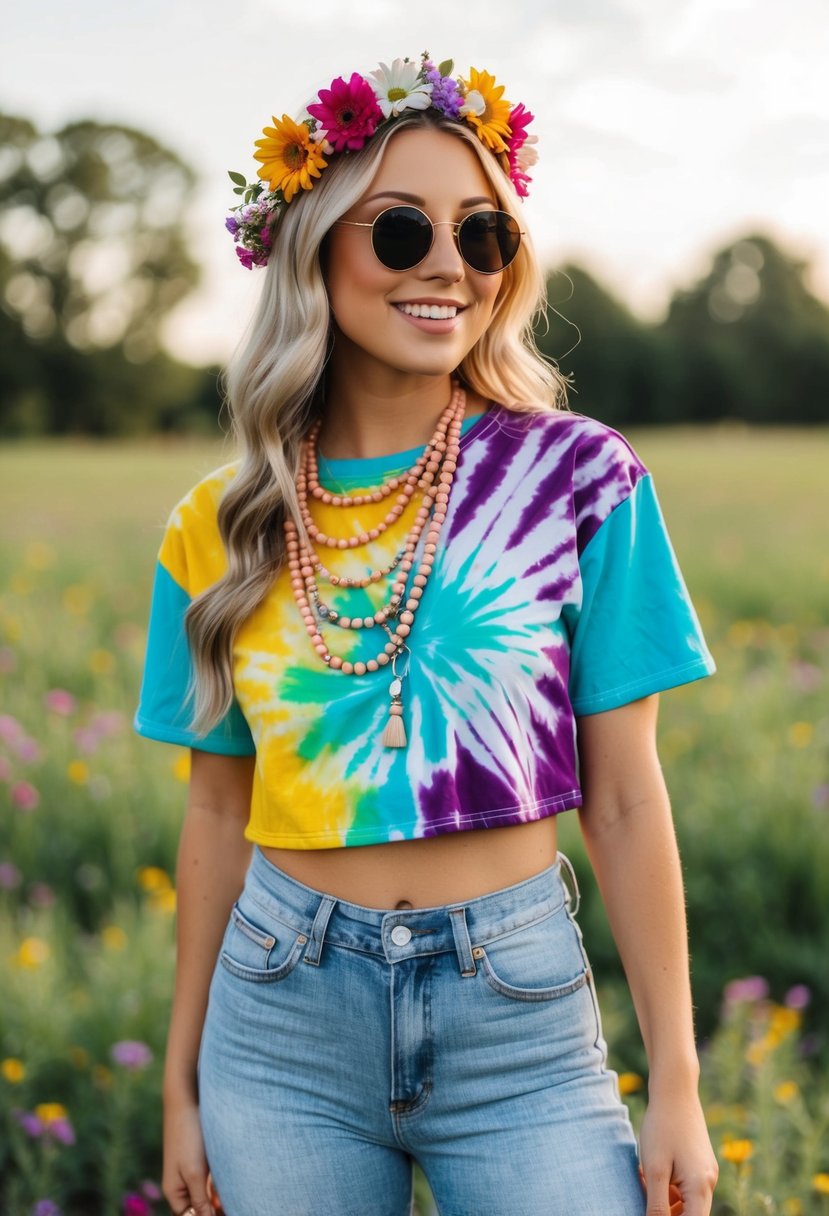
{"points": [[737, 1151], [78, 772], [290, 159], [13, 1070], [181, 767], [32, 952], [77, 599], [792, 1207], [786, 1092], [630, 1082], [39, 556], [153, 878], [101, 662], [163, 901], [21, 584], [821, 1183], [484, 107], [113, 937], [784, 1021], [50, 1112], [801, 734]]}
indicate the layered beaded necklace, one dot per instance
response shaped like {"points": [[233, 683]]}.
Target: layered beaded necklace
{"points": [[433, 474]]}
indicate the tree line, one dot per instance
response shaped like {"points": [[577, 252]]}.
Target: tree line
{"points": [[93, 257]]}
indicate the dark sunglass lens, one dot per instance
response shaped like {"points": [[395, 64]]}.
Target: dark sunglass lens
{"points": [[489, 240], [401, 237]]}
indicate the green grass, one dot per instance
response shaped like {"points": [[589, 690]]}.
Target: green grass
{"points": [[86, 939]]}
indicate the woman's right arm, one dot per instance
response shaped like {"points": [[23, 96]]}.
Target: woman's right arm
{"points": [[213, 858]]}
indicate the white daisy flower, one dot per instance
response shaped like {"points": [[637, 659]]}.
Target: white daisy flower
{"points": [[527, 154], [397, 88]]}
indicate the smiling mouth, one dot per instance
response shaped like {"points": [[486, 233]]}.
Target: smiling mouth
{"points": [[431, 312]]}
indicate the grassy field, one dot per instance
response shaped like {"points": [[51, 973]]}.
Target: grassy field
{"points": [[91, 815]]}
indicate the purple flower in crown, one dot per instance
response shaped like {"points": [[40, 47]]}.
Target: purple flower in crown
{"points": [[445, 94], [347, 112], [232, 225]]}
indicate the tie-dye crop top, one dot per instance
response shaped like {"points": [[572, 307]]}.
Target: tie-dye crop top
{"points": [[555, 592]]}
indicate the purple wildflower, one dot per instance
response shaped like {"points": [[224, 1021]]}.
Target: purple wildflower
{"points": [[747, 989], [24, 796], [445, 95], [245, 257], [150, 1190], [45, 1207], [31, 1123], [135, 1205], [131, 1054], [10, 876], [232, 225], [62, 1131], [798, 997]]}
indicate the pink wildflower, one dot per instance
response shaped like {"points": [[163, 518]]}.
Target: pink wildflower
{"points": [[24, 796], [60, 701], [10, 876], [10, 729], [798, 997], [750, 988], [131, 1054], [519, 119], [150, 1190], [135, 1205], [61, 1130], [348, 113]]}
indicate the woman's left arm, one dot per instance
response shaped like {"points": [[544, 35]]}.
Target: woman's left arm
{"points": [[629, 835]]}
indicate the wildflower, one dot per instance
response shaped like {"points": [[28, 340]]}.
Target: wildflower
{"points": [[821, 1183], [49, 1111], [150, 1190], [101, 662], [163, 901], [801, 734], [792, 1207], [288, 157], [62, 1131], [520, 156], [10, 876], [485, 108], [446, 96], [786, 1092], [131, 1054], [737, 1151], [784, 1021], [24, 796], [77, 599], [347, 112], [29, 1122], [27, 749], [113, 937], [59, 701], [750, 988], [181, 767], [41, 895], [400, 87], [797, 997], [630, 1083], [153, 878], [135, 1205], [10, 729], [13, 1070], [39, 556], [45, 1207], [78, 772], [32, 952]]}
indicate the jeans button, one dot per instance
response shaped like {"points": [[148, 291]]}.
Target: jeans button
{"points": [[401, 935]]}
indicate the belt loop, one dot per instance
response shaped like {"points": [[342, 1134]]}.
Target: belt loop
{"points": [[314, 950], [572, 894], [463, 945]]}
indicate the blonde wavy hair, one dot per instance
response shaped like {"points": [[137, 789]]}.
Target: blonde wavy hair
{"points": [[273, 388]]}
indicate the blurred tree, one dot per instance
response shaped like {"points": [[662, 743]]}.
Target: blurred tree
{"points": [[749, 340], [91, 243]]}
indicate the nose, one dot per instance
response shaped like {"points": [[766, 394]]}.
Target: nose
{"points": [[443, 260]]}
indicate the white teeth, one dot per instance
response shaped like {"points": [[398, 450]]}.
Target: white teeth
{"points": [[435, 312]]}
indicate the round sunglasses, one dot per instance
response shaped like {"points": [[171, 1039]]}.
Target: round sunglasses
{"points": [[401, 237]]}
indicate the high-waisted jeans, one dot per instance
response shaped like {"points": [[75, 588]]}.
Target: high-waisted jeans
{"points": [[341, 1042]]}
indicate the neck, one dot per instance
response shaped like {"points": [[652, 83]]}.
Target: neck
{"points": [[360, 423]]}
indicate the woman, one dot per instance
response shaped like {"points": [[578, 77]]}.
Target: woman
{"points": [[381, 739]]}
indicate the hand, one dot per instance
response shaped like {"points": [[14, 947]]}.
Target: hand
{"points": [[677, 1156], [184, 1177]]}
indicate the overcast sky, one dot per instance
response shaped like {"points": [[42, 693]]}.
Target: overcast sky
{"points": [[665, 128]]}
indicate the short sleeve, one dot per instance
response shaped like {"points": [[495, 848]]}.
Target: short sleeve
{"points": [[188, 561], [635, 631]]}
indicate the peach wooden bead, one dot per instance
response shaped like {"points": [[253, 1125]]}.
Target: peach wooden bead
{"points": [[336, 500], [373, 534], [368, 622], [357, 622], [383, 660], [416, 593], [412, 604], [403, 631], [419, 580], [407, 617], [429, 549], [322, 650], [345, 621], [326, 497], [372, 665], [336, 662], [347, 668], [317, 638], [359, 669], [380, 616], [389, 649], [342, 543]]}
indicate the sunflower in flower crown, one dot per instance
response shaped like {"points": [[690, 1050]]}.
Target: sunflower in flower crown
{"points": [[346, 115]]}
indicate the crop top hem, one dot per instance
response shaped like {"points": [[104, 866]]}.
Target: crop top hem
{"points": [[478, 819], [670, 677]]}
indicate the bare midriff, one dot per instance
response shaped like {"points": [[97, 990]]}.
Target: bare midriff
{"points": [[424, 873]]}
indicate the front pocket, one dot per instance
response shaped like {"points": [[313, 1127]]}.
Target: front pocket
{"points": [[531, 994], [537, 962], [254, 952]]}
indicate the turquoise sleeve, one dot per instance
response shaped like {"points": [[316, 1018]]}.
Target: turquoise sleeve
{"points": [[636, 631], [164, 707]]}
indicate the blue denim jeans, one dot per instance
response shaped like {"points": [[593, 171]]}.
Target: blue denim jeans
{"points": [[342, 1042]]}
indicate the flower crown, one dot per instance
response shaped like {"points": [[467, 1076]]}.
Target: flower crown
{"points": [[346, 115]]}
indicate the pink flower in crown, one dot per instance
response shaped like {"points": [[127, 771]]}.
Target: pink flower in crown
{"points": [[347, 112], [519, 148]]}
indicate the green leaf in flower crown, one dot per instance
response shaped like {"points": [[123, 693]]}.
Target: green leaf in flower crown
{"points": [[446, 67], [238, 189], [237, 178]]}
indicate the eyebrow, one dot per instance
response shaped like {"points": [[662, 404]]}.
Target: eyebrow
{"points": [[415, 198]]}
